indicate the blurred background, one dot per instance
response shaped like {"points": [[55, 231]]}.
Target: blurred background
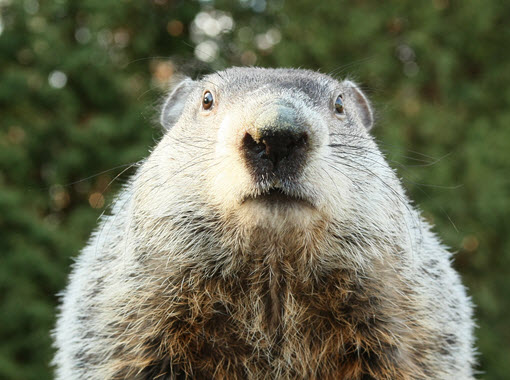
{"points": [[79, 85]]}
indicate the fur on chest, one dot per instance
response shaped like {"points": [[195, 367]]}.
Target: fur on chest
{"points": [[269, 322]]}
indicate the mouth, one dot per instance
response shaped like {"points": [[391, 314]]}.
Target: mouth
{"points": [[280, 198]]}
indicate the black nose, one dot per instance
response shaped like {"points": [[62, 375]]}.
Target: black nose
{"points": [[275, 150]]}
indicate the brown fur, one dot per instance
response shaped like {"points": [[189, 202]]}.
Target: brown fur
{"points": [[273, 317]]}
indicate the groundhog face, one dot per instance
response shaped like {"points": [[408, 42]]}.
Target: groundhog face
{"points": [[267, 144]]}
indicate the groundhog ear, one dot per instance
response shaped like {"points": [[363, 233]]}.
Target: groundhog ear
{"points": [[174, 103], [362, 105]]}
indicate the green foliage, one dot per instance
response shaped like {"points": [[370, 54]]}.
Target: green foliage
{"points": [[80, 81]]}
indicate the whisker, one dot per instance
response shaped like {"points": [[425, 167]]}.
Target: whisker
{"points": [[335, 72], [383, 143], [130, 196], [360, 167], [130, 165], [406, 178]]}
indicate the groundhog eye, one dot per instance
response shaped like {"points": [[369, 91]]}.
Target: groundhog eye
{"points": [[207, 100], [339, 105]]}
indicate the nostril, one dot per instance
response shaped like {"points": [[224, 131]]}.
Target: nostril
{"points": [[253, 146]]}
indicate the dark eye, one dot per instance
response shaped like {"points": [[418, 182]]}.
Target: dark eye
{"points": [[339, 105], [207, 101]]}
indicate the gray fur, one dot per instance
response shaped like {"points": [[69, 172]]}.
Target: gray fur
{"points": [[183, 212]]}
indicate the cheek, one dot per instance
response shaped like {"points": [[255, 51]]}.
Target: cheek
{"points": [[228, 149], [230, 133], [228, 177], [224, 137]]}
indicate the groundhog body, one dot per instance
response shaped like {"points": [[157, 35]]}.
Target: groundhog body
{"points": [[265, 237]]}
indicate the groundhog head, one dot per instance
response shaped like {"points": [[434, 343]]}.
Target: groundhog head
{"points": [[268, 147]]}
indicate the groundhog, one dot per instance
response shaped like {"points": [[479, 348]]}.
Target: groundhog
{"points": [[265, 237]]}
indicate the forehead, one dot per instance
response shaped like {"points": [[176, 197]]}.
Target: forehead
{"points": [[237, 80]]}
